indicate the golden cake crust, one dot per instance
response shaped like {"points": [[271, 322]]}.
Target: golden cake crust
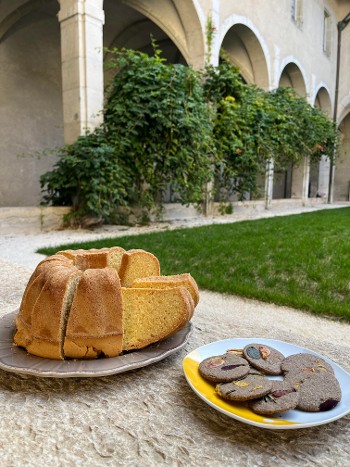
{"points": [[94, 325], [47, 317]]}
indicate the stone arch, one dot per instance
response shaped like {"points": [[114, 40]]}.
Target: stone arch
{"points": [[323, 100], [290, 183], [246, 50], [343, 108], [136, 35], [319, 170], [341, 190], [128, 27], [174, 23], [31, 117], [292, 75], [18, 11]]}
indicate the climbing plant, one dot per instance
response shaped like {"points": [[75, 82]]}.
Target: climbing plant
{"points": [[157, 120], [291, 129], [168, 126], [252, 126], [156, 136]]}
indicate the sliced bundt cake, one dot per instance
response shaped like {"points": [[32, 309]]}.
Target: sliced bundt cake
{"points": [[79, 304]]}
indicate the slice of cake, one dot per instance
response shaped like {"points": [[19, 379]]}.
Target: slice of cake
{"points": [[49, 314], [137, 263], [165, 282], [95, 326], [115, 256], [150, 315]]}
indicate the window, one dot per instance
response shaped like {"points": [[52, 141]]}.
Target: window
{"points": [[327, 23], [296, 12]]}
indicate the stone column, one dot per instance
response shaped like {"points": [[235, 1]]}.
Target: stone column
{"points": [[300, 179], [269, 173], [323, 177], [81, 24]]}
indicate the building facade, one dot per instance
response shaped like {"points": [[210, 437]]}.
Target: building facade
{"points": [[52, 76]]}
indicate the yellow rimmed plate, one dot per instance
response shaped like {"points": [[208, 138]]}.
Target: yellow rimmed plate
{"points": [[292, 419]]}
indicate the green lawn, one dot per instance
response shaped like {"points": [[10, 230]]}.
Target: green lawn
{"points": [[301, 261]]}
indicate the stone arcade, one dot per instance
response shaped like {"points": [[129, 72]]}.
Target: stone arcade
{"points": [[52, 76]]}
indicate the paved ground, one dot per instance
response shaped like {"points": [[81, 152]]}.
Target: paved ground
{"points": [[150, 416]]}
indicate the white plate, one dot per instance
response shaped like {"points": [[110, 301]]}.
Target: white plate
{"points": [[288, 420], [17, 360]]}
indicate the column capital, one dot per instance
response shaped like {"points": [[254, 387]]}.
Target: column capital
{"points": [[71, 8]]}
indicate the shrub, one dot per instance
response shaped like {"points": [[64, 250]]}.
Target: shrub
{"points": [[87, 177], [157, 119]]}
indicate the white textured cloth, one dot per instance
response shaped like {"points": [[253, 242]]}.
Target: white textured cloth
{"points": [[150, 416]]}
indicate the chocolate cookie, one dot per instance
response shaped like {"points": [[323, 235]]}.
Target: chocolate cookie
{"points": [[250, 387], [264, 358], [319, 392], [282, 397], [301, 366], [223, 368]]}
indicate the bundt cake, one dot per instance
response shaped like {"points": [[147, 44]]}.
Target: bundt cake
{"points": [[91, 303]]}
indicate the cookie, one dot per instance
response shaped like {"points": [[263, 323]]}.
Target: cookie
{"points": [[298, 367], [319, 392], [282, 397], [250, 387], [254, 371], [223, 368], [264, 358]]}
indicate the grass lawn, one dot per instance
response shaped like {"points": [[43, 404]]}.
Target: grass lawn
{"points": [[301, 260]]}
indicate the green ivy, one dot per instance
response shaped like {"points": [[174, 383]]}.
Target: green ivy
{"points": [[87, 177], [157, 120], [169, 127], [210, 34], [156, 136], [252, 126]]}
